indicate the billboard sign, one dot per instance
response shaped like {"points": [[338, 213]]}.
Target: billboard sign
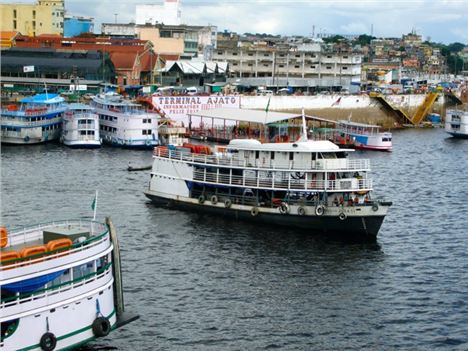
{"points": [[179, 107]]}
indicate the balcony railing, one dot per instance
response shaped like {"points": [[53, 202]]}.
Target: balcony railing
{"points": [[260, 180], [232, 160]]}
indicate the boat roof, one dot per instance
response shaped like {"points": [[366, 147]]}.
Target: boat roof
{"points": [[79, 106], [299, 146], [43, 99], [355, 124], [114, 99], [246, 115]]}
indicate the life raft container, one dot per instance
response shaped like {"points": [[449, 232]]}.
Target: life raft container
{"points": [[58, 244], [3, 237]]}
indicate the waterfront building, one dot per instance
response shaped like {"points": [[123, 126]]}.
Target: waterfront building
{"points": [[76, 25], [133, 60], [43, 17], [58, 69], [277, 62], [185, 41], [193, 73]]}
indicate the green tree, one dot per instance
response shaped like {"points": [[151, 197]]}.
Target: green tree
{"points": [[364, 39]]}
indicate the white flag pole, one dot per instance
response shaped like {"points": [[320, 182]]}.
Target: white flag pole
{"points": [[95, 205]]}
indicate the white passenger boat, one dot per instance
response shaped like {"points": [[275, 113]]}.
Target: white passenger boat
{"points": [[81, 127], [36, 120], [60, 285], [456, 123], [124, 123], [312, 185], [365, 136]]}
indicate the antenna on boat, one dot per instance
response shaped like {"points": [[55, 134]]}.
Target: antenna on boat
{"points": [[304, 127]]}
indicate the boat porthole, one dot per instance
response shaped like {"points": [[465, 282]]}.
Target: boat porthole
{"points": [[301, 211], [201, 199], [319, 210], [214, 199], [254, 211], [227, 203], [48, 342], [101, 327], [375, 207], [342, 216]]}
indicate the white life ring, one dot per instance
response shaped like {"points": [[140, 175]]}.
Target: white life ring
{"points": [[254, 211], [319, 210], [227, 203], [342, 216], [284, 208], [301, 211], [375, 207], [148, 142]]}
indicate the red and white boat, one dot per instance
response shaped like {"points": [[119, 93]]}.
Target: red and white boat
{"points": [[365, 136]]}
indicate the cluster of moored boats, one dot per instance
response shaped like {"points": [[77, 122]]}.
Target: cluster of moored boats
{"points": [[109, 119], [61, 284]]}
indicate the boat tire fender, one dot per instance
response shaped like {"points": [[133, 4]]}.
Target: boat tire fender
{"points": [[214, 199], [254, 211], [201, 199], [227, 203], [319, 210], [284, 208], [375, 207], [301, 211], [342, 216], [26, 138], [48, 341], [101, 327]]}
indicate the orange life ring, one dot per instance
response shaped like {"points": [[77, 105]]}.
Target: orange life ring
{"points": [[3, 237]]}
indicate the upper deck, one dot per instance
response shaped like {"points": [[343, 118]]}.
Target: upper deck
{"points": [[38, 249], [251, 154]]}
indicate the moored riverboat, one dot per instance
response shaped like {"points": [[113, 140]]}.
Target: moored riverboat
{"points": [[311, 185], [36, 119], [456, 123], [364, 136], [60, 285], [125, 123], [81, 127]]}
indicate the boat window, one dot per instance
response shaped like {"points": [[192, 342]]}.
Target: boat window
{"points": [[272, 155], [314, 156], [291, 156], [386, 139], [257, 154]]}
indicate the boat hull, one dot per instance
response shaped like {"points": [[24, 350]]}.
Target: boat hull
{"points": [[458, 135], [353, 227]]}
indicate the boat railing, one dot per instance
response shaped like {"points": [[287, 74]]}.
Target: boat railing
{"points": [[281, 183], [98, 233], [8, 120], [55, 289], [232, 160]]}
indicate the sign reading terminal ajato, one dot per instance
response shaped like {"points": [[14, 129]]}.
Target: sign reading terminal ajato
{"points": [[178, 107]]}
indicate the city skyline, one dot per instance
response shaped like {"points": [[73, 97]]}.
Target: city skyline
{"points": [[438, 21]]}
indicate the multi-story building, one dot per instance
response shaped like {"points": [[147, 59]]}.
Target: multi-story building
{"points": [[44, 17], [76, 25], [182, 40], [282, 63]]}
